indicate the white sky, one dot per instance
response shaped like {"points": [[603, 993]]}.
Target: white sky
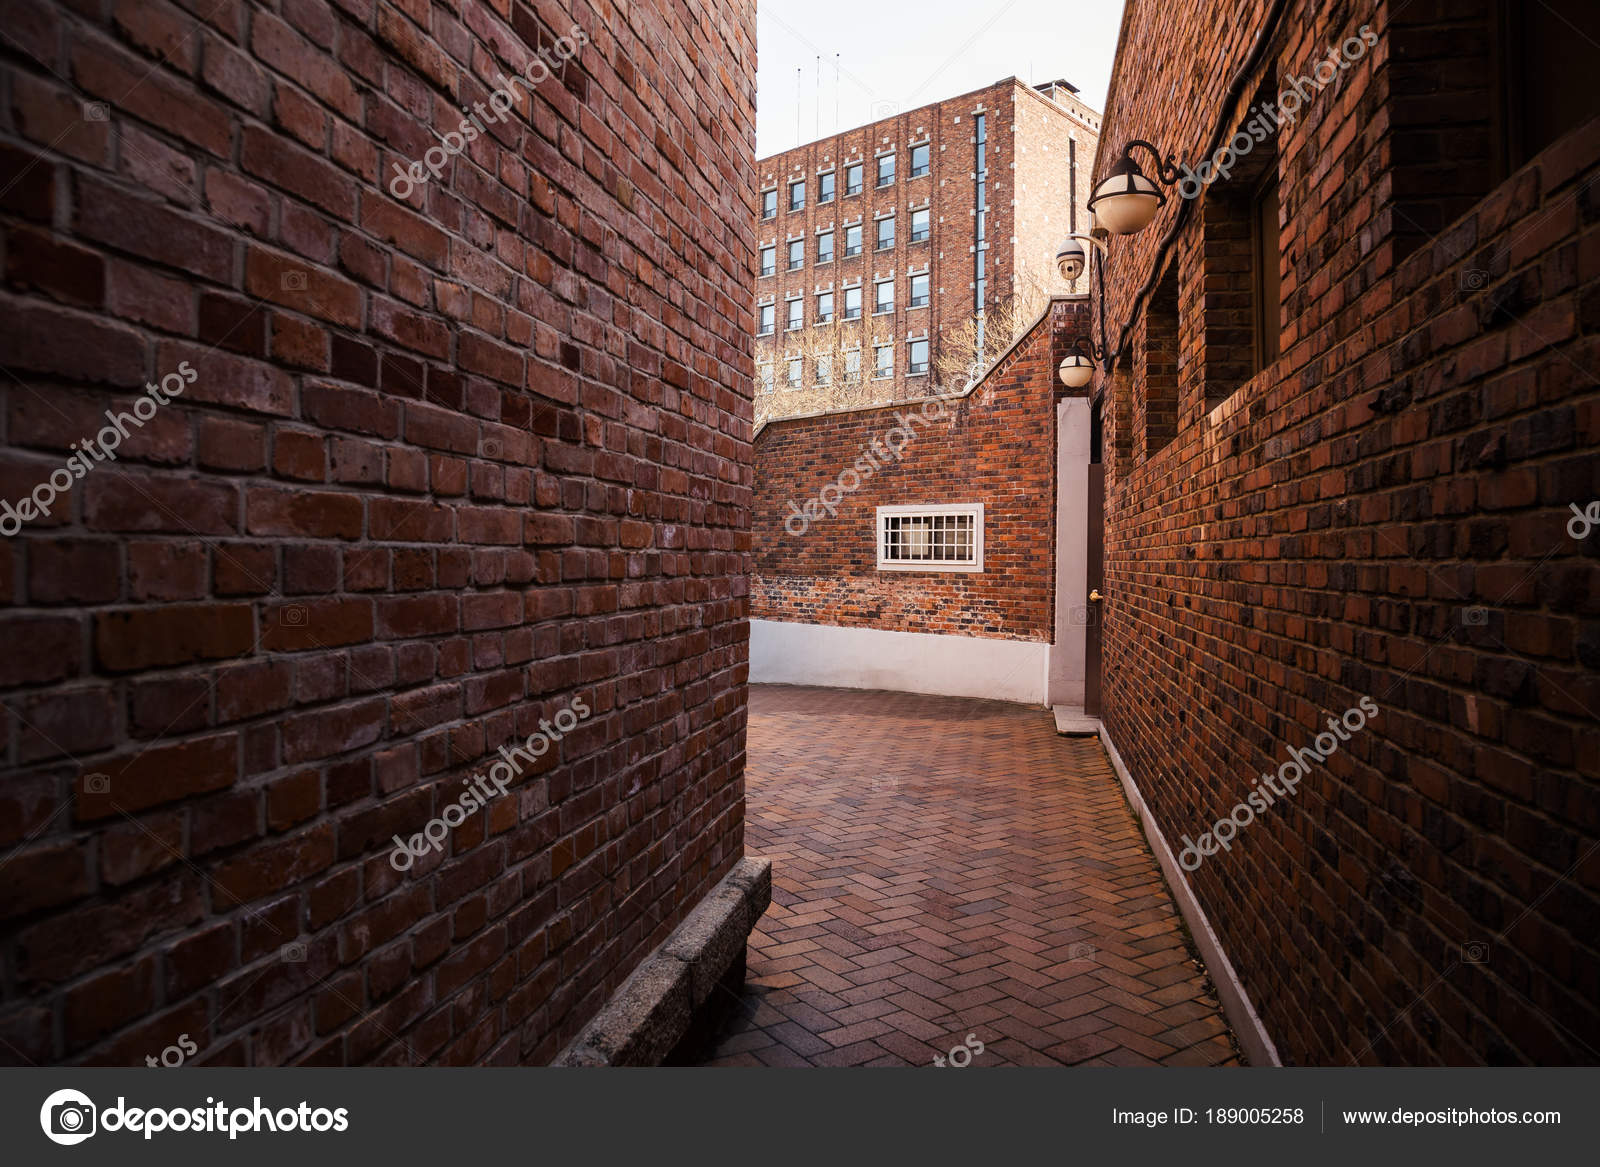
{"points": [[898, 55]]}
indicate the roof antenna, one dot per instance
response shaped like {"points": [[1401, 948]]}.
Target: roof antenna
{"points": [[797, 137]]}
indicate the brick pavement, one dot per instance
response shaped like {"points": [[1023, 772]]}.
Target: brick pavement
{"points": [[945, 867]]}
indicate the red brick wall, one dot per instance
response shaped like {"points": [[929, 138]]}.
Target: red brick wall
{"points": [[1382, 513], [446, 466], [995, 446]]}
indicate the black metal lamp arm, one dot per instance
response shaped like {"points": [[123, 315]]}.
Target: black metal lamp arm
{"points": [[1166, 168]]}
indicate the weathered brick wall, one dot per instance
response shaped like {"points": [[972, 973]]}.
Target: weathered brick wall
{"points": [[1382, 513], [995, 446], [446, 465]]}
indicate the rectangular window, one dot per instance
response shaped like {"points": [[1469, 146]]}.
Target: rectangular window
{"points": [[768, 313], [919, 291], [921, 225], [916, 358], [797, 372], [797, 254], [852, 240], [919, 160], [945, 538], [797, 195], [852, 366], [1266, 285], [883, 296], [852, 179], [823, 371], [825, 247], [825, 187], [769, 204], [824, 307], [885, 169], [797, 315], [886, 233], [764, 375], [882, 362], [852, 303], [769, 260]]}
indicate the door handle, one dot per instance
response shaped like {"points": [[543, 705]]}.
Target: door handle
{"points": [[1095, 597]]}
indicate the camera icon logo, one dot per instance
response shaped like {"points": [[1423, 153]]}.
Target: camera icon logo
{"points": [[1474, 617], [1475, 952], [293, 281], [293, 952], [68, 1117], [293, 615], [97, 784], [96, 111]]}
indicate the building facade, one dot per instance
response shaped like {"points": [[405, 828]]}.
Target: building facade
{"points": [[882, 249], [381, 699], [1349, 446], [915, 546]]}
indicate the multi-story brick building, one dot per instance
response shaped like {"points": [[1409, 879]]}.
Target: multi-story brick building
{"points": [[879, 244]]}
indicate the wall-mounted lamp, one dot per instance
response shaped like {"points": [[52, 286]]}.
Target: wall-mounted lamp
{"points": [[1077, 368], [1127, 200]]}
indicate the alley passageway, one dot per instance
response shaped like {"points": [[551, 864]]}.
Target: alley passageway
{"points": [[946, 868]]}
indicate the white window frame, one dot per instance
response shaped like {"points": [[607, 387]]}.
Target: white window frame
{"points": [[878, 307], [911, 294], [911, 368], [931, 510]]}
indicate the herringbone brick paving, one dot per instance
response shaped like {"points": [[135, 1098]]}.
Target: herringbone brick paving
{"points": [[945, 867]]}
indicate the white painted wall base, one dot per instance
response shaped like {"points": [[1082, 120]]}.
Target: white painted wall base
{"points": [[910, 662], [1247, 1026]]}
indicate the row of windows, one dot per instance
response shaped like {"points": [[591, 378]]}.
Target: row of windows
{"points": [[920, 164], [883, 232], [882, 304], [850, 372]]}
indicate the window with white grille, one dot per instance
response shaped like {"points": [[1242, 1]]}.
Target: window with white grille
{"points": [[931, 538]]}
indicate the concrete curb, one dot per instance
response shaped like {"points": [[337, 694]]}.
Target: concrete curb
{"points": [[654, 1008], [1241, 1014]]}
